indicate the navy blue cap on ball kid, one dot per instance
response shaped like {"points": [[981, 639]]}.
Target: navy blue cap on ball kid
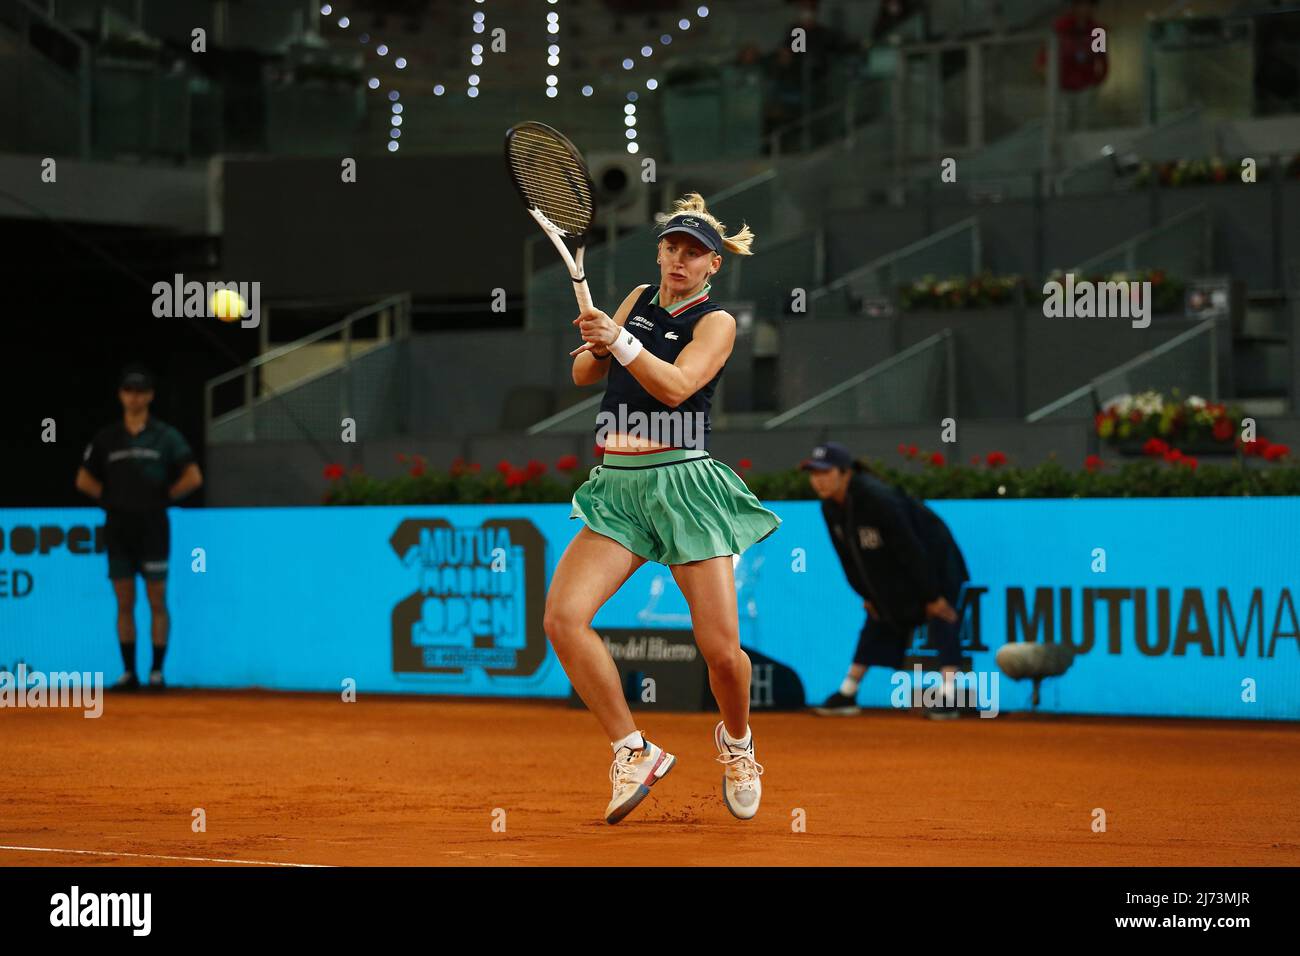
{"points": [[825, 457]]}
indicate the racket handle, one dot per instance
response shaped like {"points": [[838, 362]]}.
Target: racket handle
{"points": [[583, 293]]}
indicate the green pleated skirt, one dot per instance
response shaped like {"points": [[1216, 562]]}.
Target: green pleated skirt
{"points": [[672, 506]]}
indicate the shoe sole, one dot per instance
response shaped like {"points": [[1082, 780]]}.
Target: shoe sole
{"points": [[727, 801], [837, 711], [642, 789]]}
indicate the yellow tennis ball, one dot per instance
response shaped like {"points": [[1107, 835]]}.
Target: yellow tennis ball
{"points": [[227, 305]]}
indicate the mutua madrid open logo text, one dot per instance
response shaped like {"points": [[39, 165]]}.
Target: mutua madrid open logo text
{"points": [[30, 541], [479, 596]]}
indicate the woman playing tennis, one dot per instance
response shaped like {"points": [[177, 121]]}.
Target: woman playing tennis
{"points": [[661, 497]]}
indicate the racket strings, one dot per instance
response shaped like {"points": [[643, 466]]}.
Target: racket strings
{"points": [[552, 179]]}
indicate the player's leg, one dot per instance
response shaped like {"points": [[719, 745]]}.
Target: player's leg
{"points": [[123, 565], [945, 637], [844, 702], [155, 548], [591, 569], [156, 590], [709, 587], [124, 595]]}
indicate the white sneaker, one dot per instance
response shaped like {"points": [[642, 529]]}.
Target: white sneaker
{"points": [[633, 773], [741, 788]]}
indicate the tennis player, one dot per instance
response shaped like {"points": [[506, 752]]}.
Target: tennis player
{"points": [[662, 497]]}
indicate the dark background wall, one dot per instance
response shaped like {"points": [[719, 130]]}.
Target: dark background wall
{"points": [[445, 227]]}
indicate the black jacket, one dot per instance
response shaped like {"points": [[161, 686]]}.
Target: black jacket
{"points": [[896, 552]]}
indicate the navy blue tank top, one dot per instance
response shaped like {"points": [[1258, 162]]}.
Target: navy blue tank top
{"points": [[663, 333]]}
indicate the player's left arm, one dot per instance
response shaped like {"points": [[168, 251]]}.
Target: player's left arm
{"points": [[674, 382], [183, 460]]}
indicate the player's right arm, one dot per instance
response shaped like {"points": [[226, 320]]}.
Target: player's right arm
{"points": [[87, 482], [587, 369]]}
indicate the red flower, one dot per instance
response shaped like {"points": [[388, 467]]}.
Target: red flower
{"points": [[457, 466], [333, 472], [567, 463], [504, 467], [902, 449], [1155, 447], [1189, 461], [912, 451], [417, 469], [401, 459], [1257, 447], [1094, 463], [996, 458], [1275, 451], [745, 463], [475, 468], [936, 459], [1173, 455], [1222, 430], [974, 459], [535, 468], [1135, 417], [598, 451], [1157, 276], [516, 477]]}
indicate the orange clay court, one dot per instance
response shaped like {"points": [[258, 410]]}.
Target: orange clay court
{"points": [[308, 779]]}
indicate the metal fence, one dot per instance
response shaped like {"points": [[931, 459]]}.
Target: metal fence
{"points": [[919, 384], [952, 251], [289, 394], [1188, 362]]}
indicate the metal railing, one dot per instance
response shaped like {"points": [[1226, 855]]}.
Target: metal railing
{"points": [[951, 251], [1188, 362], [917, 384], [1181, 244], [955, 113], [580, 417], [1185, 134], [783, 266], [313, 404]]}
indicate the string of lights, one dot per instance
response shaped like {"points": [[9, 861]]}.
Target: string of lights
{"points": [[479, 27]]}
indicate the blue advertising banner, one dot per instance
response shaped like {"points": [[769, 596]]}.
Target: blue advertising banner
{"points": [[1180, 607]]}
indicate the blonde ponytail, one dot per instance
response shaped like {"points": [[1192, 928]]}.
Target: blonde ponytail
{"points": [[693, 203]]}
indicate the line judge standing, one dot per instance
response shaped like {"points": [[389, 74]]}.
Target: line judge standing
{"points": [[135, 468]]}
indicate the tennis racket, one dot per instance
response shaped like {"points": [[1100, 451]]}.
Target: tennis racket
{"points": [[552, 179]]}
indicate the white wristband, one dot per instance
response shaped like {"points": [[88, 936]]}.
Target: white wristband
{"points": [[626, 347]]}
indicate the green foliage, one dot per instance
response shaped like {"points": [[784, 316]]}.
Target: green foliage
{"points": [[1144, 478]]}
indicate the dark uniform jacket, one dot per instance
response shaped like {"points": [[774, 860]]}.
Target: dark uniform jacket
{"points": [[896, 552]]}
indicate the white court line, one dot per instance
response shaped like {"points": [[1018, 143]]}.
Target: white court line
{"points": [[155, 856]]}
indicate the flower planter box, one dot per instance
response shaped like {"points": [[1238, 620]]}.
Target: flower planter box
{"points": [[1197, 449]]}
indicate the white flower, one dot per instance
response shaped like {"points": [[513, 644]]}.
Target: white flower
{"points": [[1195, 401], [1149, 403], [1122, 404]]}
